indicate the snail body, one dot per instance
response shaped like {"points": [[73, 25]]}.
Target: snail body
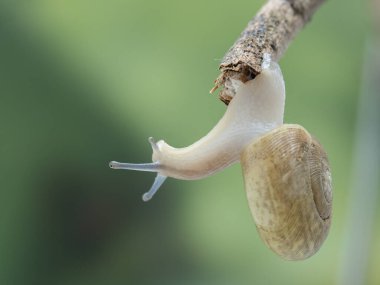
{"points": [[286, 172], [257, 107]]}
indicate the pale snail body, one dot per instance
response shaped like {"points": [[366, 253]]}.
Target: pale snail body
{"points": [[248, 116], [256, 110]]}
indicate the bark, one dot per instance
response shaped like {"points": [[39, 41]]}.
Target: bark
{"points": [[270, 31]]}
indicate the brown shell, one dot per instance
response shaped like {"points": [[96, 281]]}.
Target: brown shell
{"points": [[288, 184]]}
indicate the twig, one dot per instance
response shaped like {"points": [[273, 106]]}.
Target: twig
{"points": [[270, 31]]}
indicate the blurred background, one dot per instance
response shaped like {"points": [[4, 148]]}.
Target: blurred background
{"points": [[85, 82]]}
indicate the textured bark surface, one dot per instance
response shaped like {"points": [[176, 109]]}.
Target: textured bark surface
{"points": [[270, 31]]}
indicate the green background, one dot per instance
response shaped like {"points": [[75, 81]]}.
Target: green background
{"points": [[86, 82]]}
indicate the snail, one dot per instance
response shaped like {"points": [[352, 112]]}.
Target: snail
{"points": [[286, 171]]}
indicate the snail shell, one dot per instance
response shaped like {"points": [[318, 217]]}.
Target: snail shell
{"points": [[288, 184]]}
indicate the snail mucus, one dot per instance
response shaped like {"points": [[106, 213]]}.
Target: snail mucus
{"points": [[286, 172]]}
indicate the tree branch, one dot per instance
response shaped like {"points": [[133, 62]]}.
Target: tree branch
{"points": [[270, 31]]}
